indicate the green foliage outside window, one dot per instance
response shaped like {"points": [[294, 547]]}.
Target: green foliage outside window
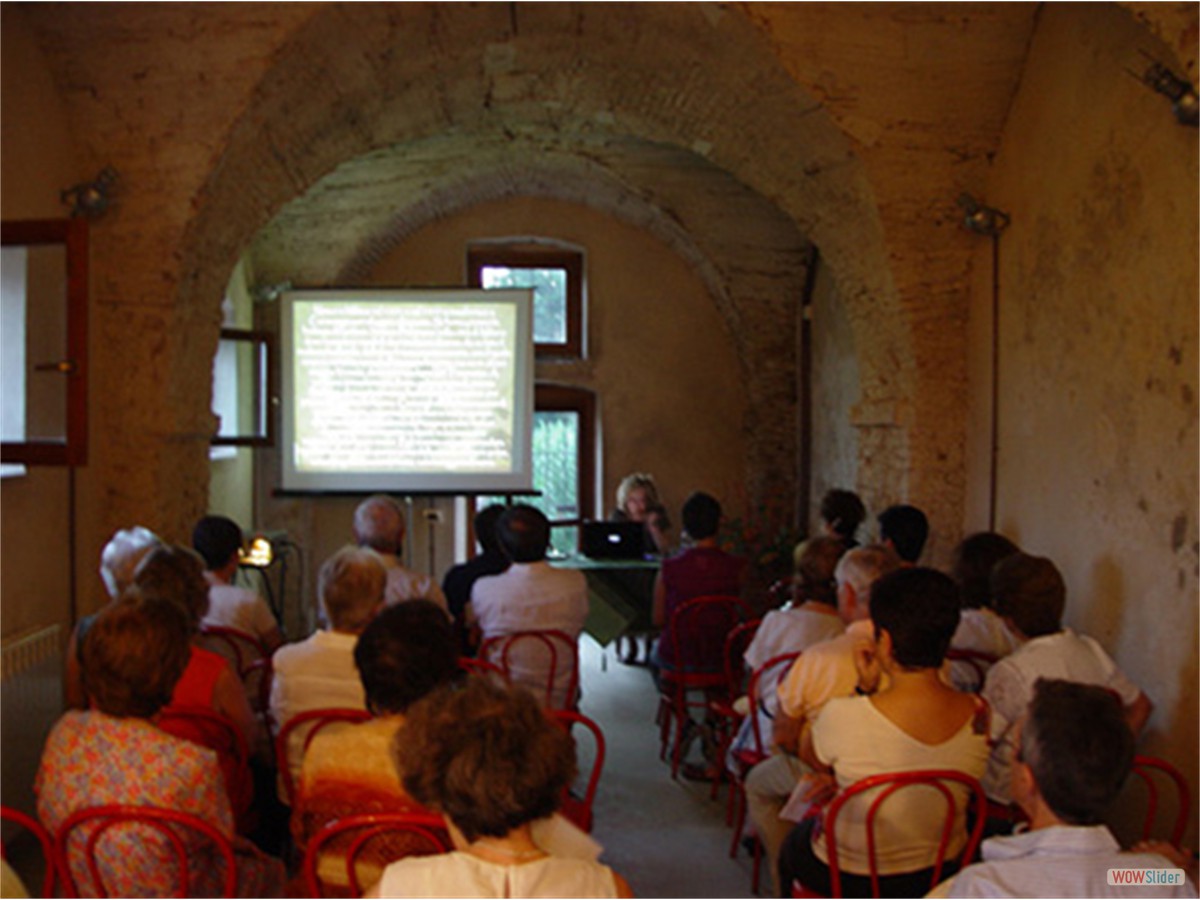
{"points": [[555, 475], [549, 298]]}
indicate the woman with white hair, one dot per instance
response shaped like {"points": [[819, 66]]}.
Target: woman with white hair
{"points": [[118, 562]]}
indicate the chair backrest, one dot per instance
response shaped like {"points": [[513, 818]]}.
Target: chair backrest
{"points": [[546, 661], [579, 809], [736, 642], [247, 655], [103, 850], [888, 785], [370, 842], [473, 665], [34, 827], [969, 668], [240, 648], [699, 627], [765, 677], [205, 726], [1146, 768], [308, 724]]}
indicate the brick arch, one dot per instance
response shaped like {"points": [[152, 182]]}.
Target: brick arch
{"points": [[360, 78]]}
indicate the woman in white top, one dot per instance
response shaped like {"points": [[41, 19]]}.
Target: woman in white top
{"points": [[980, 630], [917, 722], [489, 760]]}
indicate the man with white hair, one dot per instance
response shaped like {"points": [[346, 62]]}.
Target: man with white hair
{"points": [[821, 673], [319, 673], [118, 562], [379, 524]]}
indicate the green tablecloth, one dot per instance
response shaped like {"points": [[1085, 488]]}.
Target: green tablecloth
{"points": [[620, 595]]}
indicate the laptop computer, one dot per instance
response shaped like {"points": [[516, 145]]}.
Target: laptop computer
{"points": [[612, 540]]}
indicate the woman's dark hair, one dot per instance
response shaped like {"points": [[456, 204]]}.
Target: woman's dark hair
{"points": [[134, 655], [1079, 747], [484, 755], [974, 559], [404, 653], [701, 515], [843, 511], [1030, 591], [815, 562], [918, 607], [175, 574], [216, 539]]}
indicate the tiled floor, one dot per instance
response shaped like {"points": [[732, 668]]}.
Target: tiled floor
{"points": [[667, 838]]}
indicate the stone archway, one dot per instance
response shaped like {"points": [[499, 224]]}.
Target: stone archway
{"points": [[358, 80]]}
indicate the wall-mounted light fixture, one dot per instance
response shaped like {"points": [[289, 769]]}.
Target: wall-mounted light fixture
{"points": [[982, 219], [1179, 91], [269, 293], [91, 199]]}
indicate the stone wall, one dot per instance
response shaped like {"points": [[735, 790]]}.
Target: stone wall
{"points": [[1098, 454]]}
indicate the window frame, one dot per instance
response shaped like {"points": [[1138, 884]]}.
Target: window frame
{"points": [[524, 256], [262, 391], [561, 398], [73, 235]]}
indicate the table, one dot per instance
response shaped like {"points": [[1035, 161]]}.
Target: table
{"points": [[620, 594]]}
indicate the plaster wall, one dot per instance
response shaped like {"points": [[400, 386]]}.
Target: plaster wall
{"points": [[835, 390], [1098, 353], [659, 360], [38, 161]]}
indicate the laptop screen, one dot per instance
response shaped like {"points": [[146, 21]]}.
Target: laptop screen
{"points": [[612, 540]]}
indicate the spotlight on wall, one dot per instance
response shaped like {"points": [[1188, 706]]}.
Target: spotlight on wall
{"points": [[982, 219], [91, 199], [1179, 91]]}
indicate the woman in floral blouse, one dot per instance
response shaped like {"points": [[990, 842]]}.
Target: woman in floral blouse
{"points": [[113, 753]]}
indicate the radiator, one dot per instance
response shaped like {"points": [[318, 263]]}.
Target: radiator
{"points": [[31, 667]]}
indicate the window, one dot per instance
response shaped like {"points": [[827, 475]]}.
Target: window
{"points": [[44, 300], [564, 462], [243, 388], [555, 274]]}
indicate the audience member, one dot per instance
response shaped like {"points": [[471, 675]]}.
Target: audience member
{"points": [[118, 561], [811, 619], [980, 630], [175, 575], [841, 513], [380, 525], [1030, 595], [492, 763], [218, 540], [825, 671], [113, 754], [492, 560], [404, 653], [638, 501], [904, 529], [1076, 750], [531, 596], [703, 569], [319, 673], [915, 722]]}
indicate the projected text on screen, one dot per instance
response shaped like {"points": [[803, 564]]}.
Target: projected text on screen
{"points": [[418, 394]]}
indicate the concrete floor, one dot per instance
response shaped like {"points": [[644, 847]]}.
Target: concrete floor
{"points": [[667, 838]]}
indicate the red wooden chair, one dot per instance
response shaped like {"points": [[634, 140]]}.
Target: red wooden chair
{"points": [[887, 786], [725, 718], [579, 809], [538, 660], [473, 665], [365, 845], [1150, 770], [34, 827], [698, 630], [765, 677], [178, 832], [313, 721], [249, 658], [211, 729], [969, 668]]}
